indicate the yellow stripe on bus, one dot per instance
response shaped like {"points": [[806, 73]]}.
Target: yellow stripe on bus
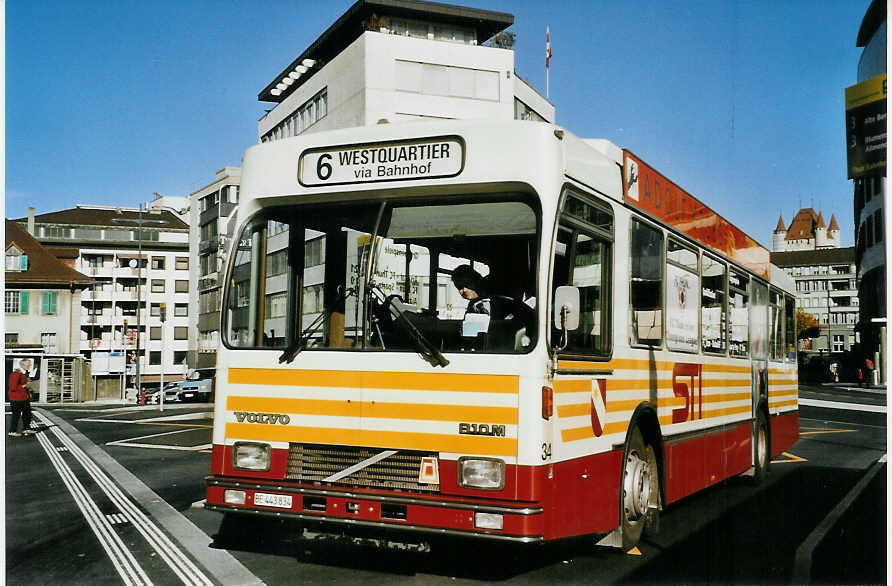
{"points": [[381, 410], [416, 381], [774, 404], [466, 444]]}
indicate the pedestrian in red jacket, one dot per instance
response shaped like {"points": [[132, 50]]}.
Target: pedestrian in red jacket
{"points": [[20, 398]]}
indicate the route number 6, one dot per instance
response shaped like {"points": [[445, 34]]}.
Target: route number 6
{"points": [[323, 168]]}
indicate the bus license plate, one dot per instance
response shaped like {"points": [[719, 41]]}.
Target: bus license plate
{"points": [[282, 501]]}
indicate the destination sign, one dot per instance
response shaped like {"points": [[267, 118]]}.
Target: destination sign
{"points": [[367, 163]]}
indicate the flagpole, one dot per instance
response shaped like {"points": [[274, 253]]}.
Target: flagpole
{"points": [[547, 62]]}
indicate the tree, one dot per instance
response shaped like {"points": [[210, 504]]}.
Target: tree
{"points": [[503, 40], [806, 325]]}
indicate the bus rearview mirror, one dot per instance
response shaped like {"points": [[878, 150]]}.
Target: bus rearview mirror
{"points": [[566, 308]]}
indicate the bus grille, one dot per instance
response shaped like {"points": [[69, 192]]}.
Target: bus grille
{"points": [[312, 463]]}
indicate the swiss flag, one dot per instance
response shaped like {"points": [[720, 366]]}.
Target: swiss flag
{"points": [[599, 406]]}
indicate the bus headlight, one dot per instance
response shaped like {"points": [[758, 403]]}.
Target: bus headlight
{"points": [[250, 456], [484, 473]]}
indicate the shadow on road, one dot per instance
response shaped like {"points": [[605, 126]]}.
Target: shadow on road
{"points": [[755, 541], [392, 554]]}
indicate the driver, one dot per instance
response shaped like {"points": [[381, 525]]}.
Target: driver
{"points": [[471, 286]]}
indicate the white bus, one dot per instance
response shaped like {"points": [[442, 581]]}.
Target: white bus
{"points": [[627, 346]]}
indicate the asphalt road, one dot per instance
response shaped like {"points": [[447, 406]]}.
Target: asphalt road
{"points": [[68, 522]]}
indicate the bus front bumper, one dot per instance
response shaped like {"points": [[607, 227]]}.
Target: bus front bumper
{"points": [[417, 514]]}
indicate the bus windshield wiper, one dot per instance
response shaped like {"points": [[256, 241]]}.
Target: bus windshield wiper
{"points": [[294, 349], [427, 350]]}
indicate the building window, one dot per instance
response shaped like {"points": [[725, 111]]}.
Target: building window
{"points": [[277, 263], [155, 310], [179, 357], [158, 263], [180, 310], [11, 338], [839, 343], [209, 231], [49, 301], [442, 80], [48, 341], [276, 305], [181, 286], [182, 263], [310, 112], [15, 260], [314, 252], [155, 333], [157, 285], [207, 302], [17, 302], [181, 333]]}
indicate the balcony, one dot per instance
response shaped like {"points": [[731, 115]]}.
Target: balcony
{"points": [[206, 246]]}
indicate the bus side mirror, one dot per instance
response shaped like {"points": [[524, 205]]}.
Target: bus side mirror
{"points": [[566, 308]]}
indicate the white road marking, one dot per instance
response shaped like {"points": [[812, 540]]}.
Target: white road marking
{"points": [[843, 406], [121, 557], [175, 558]]}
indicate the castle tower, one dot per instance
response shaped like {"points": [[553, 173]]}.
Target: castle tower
{"points": [[821, 232], [778, 238], [833, 233]]}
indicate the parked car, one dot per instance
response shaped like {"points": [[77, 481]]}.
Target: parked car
{"points": [[171, 394], [196, 391]]}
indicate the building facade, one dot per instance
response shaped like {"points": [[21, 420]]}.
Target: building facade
{"points": [[826, 288], [137, 308], [42, 297], [211, 212], [870, 197], [385, 61]]}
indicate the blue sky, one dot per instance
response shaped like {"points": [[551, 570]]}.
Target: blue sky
{"points": [[739, 102]]}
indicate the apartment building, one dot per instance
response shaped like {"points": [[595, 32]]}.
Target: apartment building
{"points": [[826, 288], [211, 214], [137, 308]]}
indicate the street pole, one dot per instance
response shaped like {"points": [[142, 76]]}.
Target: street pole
{"points": [[163, 319], [139, 307]]}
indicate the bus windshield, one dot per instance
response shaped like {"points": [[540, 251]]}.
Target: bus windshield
{"points": [[452, 274]]}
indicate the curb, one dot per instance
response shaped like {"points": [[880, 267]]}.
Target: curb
{"points": [[803, 562]]}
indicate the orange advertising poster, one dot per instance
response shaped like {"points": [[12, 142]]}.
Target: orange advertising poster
{"points": [[651, 192]]}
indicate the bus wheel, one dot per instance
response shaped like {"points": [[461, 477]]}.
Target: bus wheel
{"points": [[640, 487], [761, 446]]}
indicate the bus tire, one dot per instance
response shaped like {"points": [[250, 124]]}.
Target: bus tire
{"points": [[639, 487], [761, 448]]}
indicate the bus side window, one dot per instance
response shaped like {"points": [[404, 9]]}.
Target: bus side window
{"points": [[714, 318], [738, 299], [790, 328], [775, 326], [646, 286]]}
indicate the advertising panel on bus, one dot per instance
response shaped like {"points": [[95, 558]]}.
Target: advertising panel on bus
{"points": [[650, 191]]}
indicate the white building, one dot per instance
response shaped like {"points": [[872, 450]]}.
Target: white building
{"points": [[210, 231], [138, 262], [385, 61]]}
